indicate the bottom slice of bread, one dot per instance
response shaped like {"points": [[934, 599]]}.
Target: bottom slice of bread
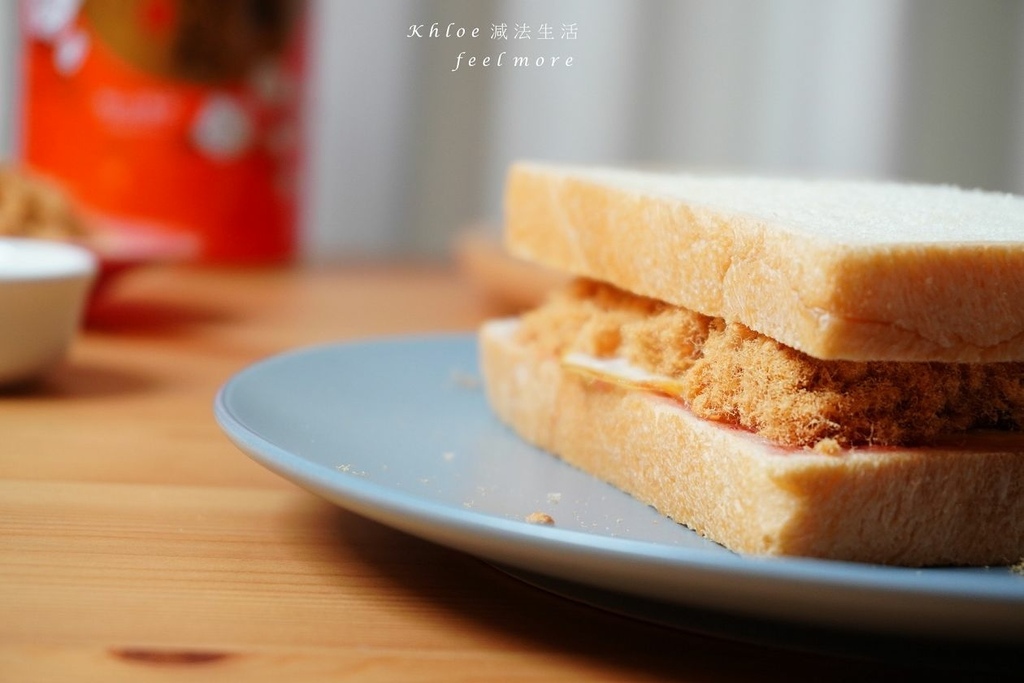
{"points": [[960, 502]]}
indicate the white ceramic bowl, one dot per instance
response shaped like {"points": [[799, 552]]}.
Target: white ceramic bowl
{"points": [[43, 290]]}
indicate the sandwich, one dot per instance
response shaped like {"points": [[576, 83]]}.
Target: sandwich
{"points": [[818, 368]]}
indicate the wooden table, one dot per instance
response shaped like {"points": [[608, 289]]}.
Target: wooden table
{"points": [[138, 544]]}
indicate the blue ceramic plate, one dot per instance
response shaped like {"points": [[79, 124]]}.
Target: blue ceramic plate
{"points": [[398, 430]]}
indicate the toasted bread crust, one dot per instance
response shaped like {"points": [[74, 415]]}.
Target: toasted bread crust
{"points": [[960, 503], [915, 301]]}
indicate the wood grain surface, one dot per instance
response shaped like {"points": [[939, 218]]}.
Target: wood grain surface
{"points": [[138, 544]]}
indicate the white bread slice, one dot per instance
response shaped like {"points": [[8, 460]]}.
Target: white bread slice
{"points": [[839, 270], [961, 503]]}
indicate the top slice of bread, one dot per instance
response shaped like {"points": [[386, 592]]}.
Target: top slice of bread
{"points": [[837, 269]]}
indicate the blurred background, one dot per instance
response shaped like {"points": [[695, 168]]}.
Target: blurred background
{"points": [[404, 145]]}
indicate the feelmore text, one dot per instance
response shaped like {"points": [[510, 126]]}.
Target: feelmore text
{"points": [[473, 61], [464, 60]]}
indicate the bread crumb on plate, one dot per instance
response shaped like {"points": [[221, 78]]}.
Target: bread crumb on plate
{"points": [[464, 380], [540, 518]]}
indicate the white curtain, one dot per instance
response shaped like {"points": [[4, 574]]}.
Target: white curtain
{"points": [[928, 90], [10, 83]]}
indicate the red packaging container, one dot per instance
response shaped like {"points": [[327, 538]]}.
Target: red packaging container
{"points": [[173, 116]]}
